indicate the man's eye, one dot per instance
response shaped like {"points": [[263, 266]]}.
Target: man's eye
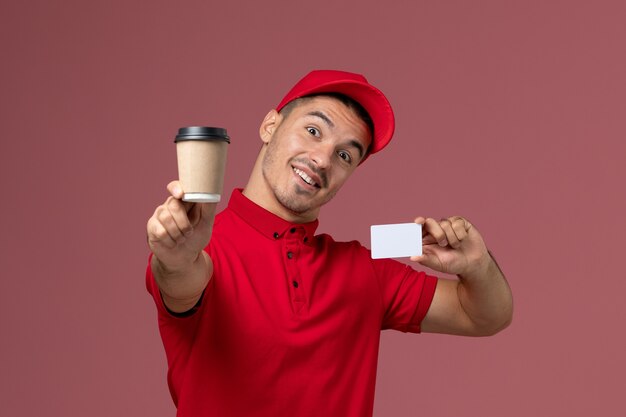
{"points": [[345, 156], [313, 131]]}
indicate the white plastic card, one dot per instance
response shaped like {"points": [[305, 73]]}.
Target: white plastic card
{"points": [[396, 240]]}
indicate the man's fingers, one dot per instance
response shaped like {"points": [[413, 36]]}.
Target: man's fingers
{"points": [[427, 260], [451, 236], [171, 219], [451, 231], [460, 227], [175, 189], [158, 234], [431, 231], [177, 213], [166, 221], [434, 229], [462, 221], [428, 240]]}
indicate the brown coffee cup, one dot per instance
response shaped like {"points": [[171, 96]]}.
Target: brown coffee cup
{"points": [[201, 153]]}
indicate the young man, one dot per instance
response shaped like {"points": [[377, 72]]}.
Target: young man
{"points": [[261, 317]]}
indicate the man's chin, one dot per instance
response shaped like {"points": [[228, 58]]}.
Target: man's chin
{"points": [[299, 204], [297, 208]]}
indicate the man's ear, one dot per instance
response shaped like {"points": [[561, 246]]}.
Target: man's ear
{"points": [[269, 125]]}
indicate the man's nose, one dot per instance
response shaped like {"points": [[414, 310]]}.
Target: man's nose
{"points": [[321, 155]]}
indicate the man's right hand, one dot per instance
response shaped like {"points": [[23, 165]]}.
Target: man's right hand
{"points": [[177, 234]]}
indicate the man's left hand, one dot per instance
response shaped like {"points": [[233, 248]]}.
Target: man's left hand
{"points": [[452, 246]]}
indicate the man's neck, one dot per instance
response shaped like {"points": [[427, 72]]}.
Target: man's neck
{"points": [[266, 199], [258, 191]]}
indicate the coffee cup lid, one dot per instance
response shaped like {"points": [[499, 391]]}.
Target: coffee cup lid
{"points": [[202, 133]]}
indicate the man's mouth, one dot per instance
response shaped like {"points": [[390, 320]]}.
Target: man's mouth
{"points": [[306, 178]]}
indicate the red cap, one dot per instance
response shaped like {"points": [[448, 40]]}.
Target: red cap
{"points": [[356, 87]]}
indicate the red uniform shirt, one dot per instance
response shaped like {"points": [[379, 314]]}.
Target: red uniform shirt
{"points": [[290, 322]]}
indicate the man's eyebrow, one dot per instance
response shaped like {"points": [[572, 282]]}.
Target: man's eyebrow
{"points": [[358, 145], [322, 116]]}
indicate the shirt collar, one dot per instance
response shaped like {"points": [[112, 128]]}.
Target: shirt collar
{"points": [[265, 222]]}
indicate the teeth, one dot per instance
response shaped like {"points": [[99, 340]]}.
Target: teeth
{"points": [[305, 177]]}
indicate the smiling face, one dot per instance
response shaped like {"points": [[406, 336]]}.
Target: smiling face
{"points": [[308, 154]]}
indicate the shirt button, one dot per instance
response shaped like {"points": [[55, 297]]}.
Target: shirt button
{"points": [[295, 284], [293, 230], [276, 235], [289, 255], [306, 239]]}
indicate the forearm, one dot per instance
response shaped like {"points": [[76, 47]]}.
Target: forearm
{"points": [[178, 232], [486, 298], [182, 288]]}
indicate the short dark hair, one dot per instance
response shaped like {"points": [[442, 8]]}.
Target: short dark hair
{"points": [[349, 102]]}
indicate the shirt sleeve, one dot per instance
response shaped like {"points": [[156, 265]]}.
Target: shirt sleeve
{"points": [[177, 333], [153, 288], [407, 294]]}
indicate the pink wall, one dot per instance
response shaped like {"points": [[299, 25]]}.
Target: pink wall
{"points": [[510, 113]]}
